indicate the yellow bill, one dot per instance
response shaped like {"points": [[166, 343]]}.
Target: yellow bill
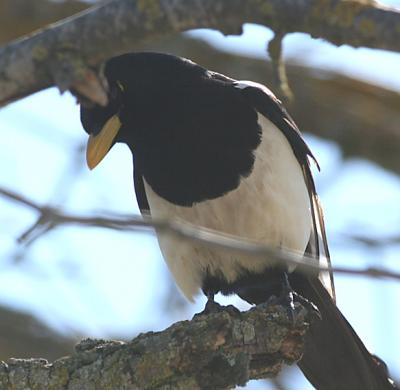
{"points": [[99, 145]]}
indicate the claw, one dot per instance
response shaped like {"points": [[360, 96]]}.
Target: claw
{"points": [[212, 307], [288, 297]]}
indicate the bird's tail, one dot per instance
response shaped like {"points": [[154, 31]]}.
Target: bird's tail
{"points": [[335, 358]]}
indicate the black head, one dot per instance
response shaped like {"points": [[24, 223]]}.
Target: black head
{"points": [[191, 131], [142, 79], [152, 70]]}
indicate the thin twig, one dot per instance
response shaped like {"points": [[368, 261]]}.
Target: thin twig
{"points": [[373, 242], [278, 66], [51, 218], [21, 199]]}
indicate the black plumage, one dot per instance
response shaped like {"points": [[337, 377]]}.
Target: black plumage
{"points": [[200, 142]]}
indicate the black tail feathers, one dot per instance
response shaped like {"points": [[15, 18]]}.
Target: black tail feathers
{"points": [[335, 358]]}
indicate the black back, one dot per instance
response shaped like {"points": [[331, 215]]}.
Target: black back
{"points": [[191, 131]]}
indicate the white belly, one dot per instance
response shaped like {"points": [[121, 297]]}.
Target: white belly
{"points": [[270, 206]]}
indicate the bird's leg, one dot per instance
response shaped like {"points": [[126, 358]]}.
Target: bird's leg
{"points": [[211, 305], [288, 297], [210, 298]]}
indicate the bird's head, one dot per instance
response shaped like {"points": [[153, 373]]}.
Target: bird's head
{"points": [[138, 85]]}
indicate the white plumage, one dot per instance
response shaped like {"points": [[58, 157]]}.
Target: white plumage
{"points": [[270, 206]]}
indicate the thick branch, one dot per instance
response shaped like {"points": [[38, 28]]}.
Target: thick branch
{"points": [[215, 351], [59, 55], [20, 17]]}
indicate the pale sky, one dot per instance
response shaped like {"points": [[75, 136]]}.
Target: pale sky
{"points": [[101, 283]]}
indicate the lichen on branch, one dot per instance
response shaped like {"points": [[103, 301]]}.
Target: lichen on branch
{"points": [[212, 351], [86, 40]]}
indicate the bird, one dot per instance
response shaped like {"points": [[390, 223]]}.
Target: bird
{"points": [[224, 154]]}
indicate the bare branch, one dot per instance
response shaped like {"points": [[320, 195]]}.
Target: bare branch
{"points": [[28, 65], [20, 199], [51, 218], [374, 242], [278, 67], [20, 17], [216, 351]]}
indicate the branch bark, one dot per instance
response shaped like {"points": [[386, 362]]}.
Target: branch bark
{"points": [[214, 351], [62, 53], [20, 17]]}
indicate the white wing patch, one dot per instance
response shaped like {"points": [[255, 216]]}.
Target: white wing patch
{"points": [[318, 235]]}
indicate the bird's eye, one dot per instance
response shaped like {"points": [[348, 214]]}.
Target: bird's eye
{"points": [[116, 90]]}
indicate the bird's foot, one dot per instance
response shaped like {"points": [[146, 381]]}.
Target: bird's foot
{"points": [[212, 307], [288, 299], [310, 307]]}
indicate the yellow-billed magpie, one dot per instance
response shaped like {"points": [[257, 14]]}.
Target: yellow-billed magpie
{"points": [[224, 154]]}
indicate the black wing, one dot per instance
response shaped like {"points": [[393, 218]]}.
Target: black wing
{"points": [[266, 103]]}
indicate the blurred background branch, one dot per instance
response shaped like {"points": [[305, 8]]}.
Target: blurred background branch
{"points": [[51, 218], [82, 281], [24, 336], [62, 54]]}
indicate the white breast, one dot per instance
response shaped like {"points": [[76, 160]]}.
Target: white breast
{"points": [[270, 206]]}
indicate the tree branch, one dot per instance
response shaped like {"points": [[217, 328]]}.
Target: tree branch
{"points": [[63, 53], [215, 351], [278, 67], [23, 335], [50, 218], [20, 17]]}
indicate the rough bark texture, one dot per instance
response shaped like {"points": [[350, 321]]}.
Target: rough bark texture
{"points": [[19, 17], [225, 349], [214, 351], [61, 53]]}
